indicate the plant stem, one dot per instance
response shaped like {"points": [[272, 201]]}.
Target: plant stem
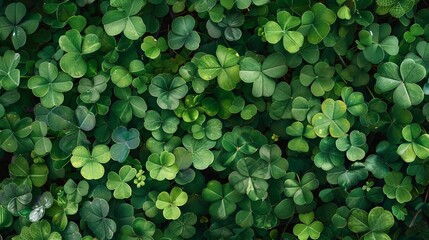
{"points": [[420, 210]]}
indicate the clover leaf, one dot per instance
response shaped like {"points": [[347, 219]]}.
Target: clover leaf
{"points": [[168, 89], [44, 202], [23, 173], [355, 101], [277, 165], [250, 178], [202, 157], [329, 156], [374, 224], [90, 162], [228, 26], [94, 213], [169, 203], [301, 189], [75, 192], [224, 67], [182, 34], [16, 22], [153, 47], [15, 133], [212, 129], [124, 19], [354, 145], [15, 198], [395, 8], [90, 90], [76, 47], [331, 120], [275, 31], [347, 178], [262, 75], [416, 145], [59, 211], [238, 143], [128, 105], [314, 27], [299, 132], [140, 229], [162, 166], [166, 121], [223, 199], [50, 85], [183, 226], [319, 76], [308, 228], [38, 231], [9, 75], [118, 181], [398, 187], [284, 96], [125, 140], [375, 41]]}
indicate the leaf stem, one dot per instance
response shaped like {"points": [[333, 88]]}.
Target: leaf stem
{"points": [[420, 210], [370, 92]]}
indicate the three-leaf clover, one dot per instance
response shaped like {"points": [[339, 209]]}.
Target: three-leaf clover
{"points": [[168, 89], [50, 85], [416, 145], [76, 47], [202, 157], [402, 80], [212, 129], [182, 34], [74, 191], [38, 230], [125, 140], [124, 19], [16, 21], [128, 105], [319, 76], [15, 198], [15, 133], [118, 182], [301, 189], [223, 198], [169, 203], [274, 31], [332, 120], [162, 166], [329, 156], [140, 229], [374, 224], [354, 145], [153, 47], [308, 228], [262, 75], [224, 66], [398, 187], [90, 162], [375, 41], [250, 178], [95, 215], [9, 75], [315, 27], [299, 132], [277, 165], [166, 121], [23, 173], [90, 89]]}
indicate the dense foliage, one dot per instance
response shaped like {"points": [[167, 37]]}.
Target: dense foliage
{"points": [[214, 119]]}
